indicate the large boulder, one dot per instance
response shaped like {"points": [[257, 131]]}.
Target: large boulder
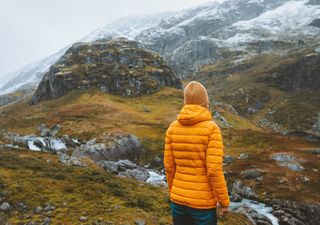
{"points": [[116, 66], [112, 147]]}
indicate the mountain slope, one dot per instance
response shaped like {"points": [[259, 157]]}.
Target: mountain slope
{"points": [[31, 75], [116, 66], [208, 33], [277, 92]]}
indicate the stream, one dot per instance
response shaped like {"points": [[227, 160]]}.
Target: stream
{"points": [[158, 179], [261, 208]]}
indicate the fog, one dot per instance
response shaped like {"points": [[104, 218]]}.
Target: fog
{"points": [[32, 29]]}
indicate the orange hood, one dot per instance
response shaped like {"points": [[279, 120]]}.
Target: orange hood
{"points": [[192, 114]]}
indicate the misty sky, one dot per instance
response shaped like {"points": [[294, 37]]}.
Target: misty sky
{"points": [[32, 29]]}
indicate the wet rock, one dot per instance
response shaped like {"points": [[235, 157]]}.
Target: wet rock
{"points": [[35, 143], [288, 161], [245, 191], [315, 23], [235, 197], [292, 213], [126, 164], [251, 174], [5, 206]]}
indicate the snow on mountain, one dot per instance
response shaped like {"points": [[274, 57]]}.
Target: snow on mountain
{"points": [[31, 75], [128, 27], [291, 18], [199, 35]]}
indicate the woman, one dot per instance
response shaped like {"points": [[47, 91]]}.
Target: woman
{"points": [[193, 162]]}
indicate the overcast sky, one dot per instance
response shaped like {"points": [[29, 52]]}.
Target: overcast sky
{"points": [[32, 29]]}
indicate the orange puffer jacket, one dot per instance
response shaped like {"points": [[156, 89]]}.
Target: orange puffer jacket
{"points": [[193, 160]]}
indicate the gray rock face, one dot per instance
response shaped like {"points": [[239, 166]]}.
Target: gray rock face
{"points": [[292, 213], [195, 53], [244, 191], [196, 36], [114, 147], [292, 76], [116, 66], [288, 161], [315, 23], [314, 2]]}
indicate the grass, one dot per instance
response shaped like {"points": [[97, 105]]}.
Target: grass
{"points": [[89, 114], [93, 192], [29, 177], [258, 81]]}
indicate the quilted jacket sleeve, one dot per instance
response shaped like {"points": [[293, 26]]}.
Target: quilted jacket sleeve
{"points": [[169, 163], [214, 159]]}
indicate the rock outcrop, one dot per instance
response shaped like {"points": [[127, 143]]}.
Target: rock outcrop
{"points": [[114, 147], [116, 66], [291, 213]]}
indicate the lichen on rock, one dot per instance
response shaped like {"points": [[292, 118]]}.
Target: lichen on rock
{"points": [[117, 66]]}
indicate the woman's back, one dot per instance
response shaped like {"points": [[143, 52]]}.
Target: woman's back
{"points": [[193, 155], [189, 138]]}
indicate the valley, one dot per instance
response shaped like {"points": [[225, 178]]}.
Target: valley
{"points": [[82, 131]]}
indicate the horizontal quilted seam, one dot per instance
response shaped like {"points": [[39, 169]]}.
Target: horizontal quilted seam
{"points": [[196, 152]]}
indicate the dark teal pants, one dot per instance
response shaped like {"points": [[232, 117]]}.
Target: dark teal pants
{"points": [[184, 215]]}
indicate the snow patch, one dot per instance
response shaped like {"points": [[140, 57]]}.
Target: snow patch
{"points": [[289, 17]]}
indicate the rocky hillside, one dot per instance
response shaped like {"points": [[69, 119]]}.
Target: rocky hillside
{"points": [[116, 66], [205, 34], [211, 32], [277, 92], [90, 128]]}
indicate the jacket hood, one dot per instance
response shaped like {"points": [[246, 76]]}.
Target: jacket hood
{"points": [[192, 114]]}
